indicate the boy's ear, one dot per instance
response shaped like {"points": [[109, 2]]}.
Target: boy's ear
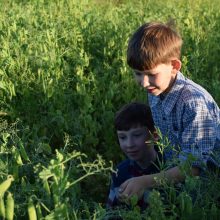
{"points": [[155, 136], [176, 63]]}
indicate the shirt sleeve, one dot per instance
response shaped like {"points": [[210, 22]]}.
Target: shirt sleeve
{"points": [[112, 200], [199, 132]]}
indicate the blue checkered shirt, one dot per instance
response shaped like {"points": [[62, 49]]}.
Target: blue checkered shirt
{"points": [[190, 119]]}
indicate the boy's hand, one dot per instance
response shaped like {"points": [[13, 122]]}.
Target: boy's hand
{"points": [[134, 186]]}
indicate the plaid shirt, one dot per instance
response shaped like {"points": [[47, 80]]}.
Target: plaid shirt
{"points": [[126, 170], [190, 119]]}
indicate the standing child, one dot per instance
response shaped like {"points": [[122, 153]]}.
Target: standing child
{"points": [[136, 134], [183, 111]]}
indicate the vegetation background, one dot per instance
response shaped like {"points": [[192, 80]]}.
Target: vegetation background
{"points": [[63, 75]]}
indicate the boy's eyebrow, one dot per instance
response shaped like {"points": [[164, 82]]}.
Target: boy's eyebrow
{"points": [[142, 72], [120, 132]]}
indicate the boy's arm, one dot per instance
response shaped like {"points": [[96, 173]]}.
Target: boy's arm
{"points": [[112, 200], [199, 135], [137, 185]]}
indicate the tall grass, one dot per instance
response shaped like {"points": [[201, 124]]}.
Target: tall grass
{"points": [[63, 75]]}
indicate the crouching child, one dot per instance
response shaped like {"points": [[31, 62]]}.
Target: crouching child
{"points": [[136, 137]]}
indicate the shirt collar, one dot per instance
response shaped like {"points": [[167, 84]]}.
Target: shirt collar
{"points": [[172, 96]]}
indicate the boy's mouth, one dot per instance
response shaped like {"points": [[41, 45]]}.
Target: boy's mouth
{"points": [[131, 153], [151, 90]]}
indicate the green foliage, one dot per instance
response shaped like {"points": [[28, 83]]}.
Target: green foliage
{"points": [[48, 188], [63, 76]]}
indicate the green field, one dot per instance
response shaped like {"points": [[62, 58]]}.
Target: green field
{"points": [[63, 75]]}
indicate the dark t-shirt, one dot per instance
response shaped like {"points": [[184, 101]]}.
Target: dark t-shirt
{"points": [[126, 170]]}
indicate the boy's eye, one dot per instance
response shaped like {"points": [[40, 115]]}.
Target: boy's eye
{"points": [[149, 74], [121, 137], [137, 73], [137, 134], [152, 74]]}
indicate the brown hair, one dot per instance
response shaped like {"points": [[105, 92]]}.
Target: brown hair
{"points": [[153, 43], [132, 115]]}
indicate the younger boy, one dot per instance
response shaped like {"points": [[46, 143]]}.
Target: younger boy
{"points": [[182, 110], [136, 132]]}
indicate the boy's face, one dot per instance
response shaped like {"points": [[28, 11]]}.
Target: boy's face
{"points": [[133, 143], [159, 79]]}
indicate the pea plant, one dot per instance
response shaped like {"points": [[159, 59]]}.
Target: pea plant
{"points": [[63, 75]]}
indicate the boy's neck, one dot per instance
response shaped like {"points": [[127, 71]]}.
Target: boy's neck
{"points": [[148, 160], [163, 95]]}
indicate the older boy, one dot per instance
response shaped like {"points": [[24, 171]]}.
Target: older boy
{"points": [[136, 134], [182, 110]]}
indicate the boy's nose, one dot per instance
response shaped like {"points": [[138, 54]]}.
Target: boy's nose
{"points": [[130, 142], [144, 81]]}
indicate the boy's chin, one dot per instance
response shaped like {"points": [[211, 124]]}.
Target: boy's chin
{"points": [[158, 93], [154, 92], [134, 157]]}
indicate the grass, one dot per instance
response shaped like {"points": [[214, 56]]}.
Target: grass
{"points": [[63, 76]]}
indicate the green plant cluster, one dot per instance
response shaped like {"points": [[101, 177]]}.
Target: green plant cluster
{"points": [[63, 75]]}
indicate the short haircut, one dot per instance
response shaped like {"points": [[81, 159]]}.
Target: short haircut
{"points": [[152, 44], [133, 115]]}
